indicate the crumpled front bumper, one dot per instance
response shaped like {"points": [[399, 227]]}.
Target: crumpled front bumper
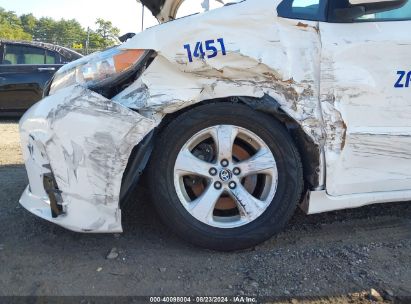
{"points": [[76, 145]]}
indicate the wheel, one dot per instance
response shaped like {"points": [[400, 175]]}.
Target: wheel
{"points": [[224, 176]]}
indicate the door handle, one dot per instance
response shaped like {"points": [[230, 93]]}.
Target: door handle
{"points": [[46, 69]]}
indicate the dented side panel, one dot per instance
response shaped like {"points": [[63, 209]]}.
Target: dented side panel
{"points": [[85, 140], [367, 118], [337, 85], [265, 54]]}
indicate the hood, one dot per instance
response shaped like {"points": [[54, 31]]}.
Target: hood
{"points": [[163, 10]]}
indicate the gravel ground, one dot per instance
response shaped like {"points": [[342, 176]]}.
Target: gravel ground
{"points": [[337, 257], [10, 152]]}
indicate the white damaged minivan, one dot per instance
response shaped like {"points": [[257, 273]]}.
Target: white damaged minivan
{"points": [[236, 117]]}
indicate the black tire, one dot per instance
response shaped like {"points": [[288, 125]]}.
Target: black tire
{"points": [[173, 213]]}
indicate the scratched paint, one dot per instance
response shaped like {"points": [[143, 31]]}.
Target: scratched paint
{"points": [[266, 63], [269, 61], [86, 139], [367, 119]]}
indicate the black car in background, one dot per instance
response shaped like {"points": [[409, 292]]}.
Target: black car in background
{"points": [[25, 68]]}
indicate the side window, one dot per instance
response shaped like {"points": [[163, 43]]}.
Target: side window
{"points": [[66, 58], [52, 57], [2, 59], [396, 14], [349, 11], [20, 54], [302, 9], [9, 57]]}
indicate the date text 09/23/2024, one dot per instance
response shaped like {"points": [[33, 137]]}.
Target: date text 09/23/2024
{"points": [[204, 299]]}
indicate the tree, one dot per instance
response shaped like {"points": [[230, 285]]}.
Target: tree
{"points": [[96, 41], [69, 32], [45, 30], [63, 32], [10, 18], [29, 23], [107, 32], [11, 27]]}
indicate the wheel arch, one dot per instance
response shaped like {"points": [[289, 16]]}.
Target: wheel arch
{"points": [[310, 152]]}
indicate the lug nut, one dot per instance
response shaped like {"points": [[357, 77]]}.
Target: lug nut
{"points": [[232, 185], [213, 172], [236, 171], [224, 163], [218, 185]]}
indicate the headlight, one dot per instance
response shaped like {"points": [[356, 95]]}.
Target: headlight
{"points": [[99, 69]]}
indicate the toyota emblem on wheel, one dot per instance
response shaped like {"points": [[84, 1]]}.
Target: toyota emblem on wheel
{"points": [[225, 175]]}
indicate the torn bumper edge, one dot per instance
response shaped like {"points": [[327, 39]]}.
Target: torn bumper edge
{"points": [[84, 141]]}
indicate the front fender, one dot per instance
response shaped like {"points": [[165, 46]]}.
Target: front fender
{"points": [[84, 141]]}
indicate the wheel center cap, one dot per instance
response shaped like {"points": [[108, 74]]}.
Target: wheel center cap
{"points": [[226, 175]]}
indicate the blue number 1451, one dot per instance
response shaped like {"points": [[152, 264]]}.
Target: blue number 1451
{"points": [[211, 50]]}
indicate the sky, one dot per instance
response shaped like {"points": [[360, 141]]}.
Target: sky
{"points": [[127, 16]]}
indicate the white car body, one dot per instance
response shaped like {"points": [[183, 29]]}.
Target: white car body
{"points": [[336, 80]]}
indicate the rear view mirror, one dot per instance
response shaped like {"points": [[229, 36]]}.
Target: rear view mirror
{"points": [[364, 7], [383, 6]]}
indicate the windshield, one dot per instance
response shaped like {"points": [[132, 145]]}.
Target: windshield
{"points": [[187, 8], [190, 7]]}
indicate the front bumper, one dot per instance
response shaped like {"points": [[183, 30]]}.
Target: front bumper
{"points": [[76, 145]]}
